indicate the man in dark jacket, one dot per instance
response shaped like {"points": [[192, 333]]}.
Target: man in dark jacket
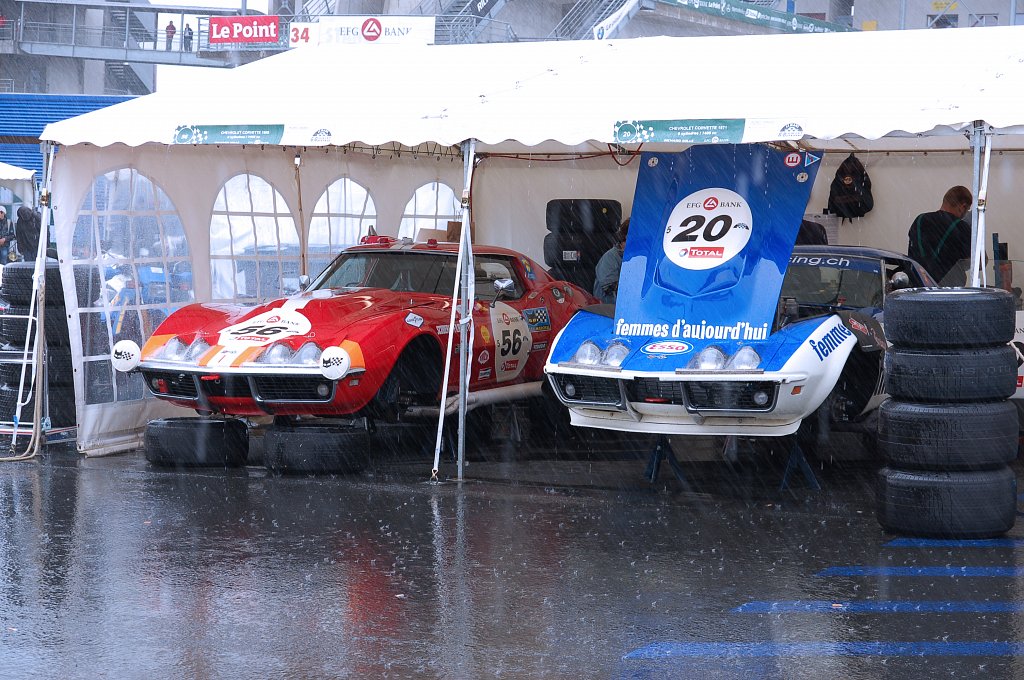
{"points": [[26, 232], [939, 240]]}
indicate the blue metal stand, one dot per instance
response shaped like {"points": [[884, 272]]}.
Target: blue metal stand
{"points": [[798, 460], [663, 451]]}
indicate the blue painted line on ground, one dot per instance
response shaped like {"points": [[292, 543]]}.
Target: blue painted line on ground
{"points": [[955, 543], [1004, 572], [879, 607], [666, 650]]}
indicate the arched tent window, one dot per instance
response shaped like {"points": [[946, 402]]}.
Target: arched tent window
{"points": [[132, 268], [343, 214], [432, 206], [254, 247]]}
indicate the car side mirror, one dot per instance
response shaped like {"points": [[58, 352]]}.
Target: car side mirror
{"points": [[899, 281], [503, 288], [303, 282]]}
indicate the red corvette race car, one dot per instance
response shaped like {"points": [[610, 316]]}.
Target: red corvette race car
{"points": [[365, 340]]}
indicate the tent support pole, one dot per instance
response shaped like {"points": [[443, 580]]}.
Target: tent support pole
{"points": [[463, 303], [303, 232], [466, 330], [980, 139]]}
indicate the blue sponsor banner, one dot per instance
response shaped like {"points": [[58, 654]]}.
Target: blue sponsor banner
{"points": [[711, 233]]}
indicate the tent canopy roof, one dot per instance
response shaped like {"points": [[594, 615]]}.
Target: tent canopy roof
{"points": [[863, 85]]}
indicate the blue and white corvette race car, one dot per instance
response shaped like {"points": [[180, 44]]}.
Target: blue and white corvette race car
{"points": [[711, 335]]}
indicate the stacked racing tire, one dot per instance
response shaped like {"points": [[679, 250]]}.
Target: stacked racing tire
{"points": [[16, 333], [948, 432]]}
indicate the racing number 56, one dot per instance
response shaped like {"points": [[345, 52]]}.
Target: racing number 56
{"points": [[511, 342], [716, 228]]}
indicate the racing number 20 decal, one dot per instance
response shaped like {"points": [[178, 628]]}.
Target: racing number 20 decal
{"points": [[707, 228]]}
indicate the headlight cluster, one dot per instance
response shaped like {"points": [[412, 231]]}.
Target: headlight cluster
{"points": [[714, 359], [280, 354], [176, 350], [589, 354]]}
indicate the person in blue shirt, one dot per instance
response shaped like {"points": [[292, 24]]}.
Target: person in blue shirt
{"points": [[606, 274]]}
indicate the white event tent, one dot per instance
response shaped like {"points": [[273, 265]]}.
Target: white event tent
{"points": [[518, 124]]}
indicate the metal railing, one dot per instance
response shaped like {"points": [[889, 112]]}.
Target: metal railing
{"points": [[462, 29], [130, 38], [582, 17], [6, 84]]}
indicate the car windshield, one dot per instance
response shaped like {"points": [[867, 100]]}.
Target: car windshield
{"points": [[834, 281], [398, 271]]}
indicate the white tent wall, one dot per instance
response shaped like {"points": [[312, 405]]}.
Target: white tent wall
{"points": [[510, 196], [905, 184], [391, 179]]}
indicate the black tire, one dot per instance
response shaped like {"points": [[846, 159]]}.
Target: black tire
{"points": [[943, 375], [311, 449], [9, 399], [196, 442], [949, 317], [978, 504], [14, 327], [59, 370], [944, 437], [60, 366], [61, 411], [17, 283], [414, 380]]}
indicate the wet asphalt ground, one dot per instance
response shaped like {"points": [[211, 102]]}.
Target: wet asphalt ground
{"points": [[553, 563]]}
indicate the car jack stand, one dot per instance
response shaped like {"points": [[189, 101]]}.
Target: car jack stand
{"points": [[798, 460], [663, 451]]}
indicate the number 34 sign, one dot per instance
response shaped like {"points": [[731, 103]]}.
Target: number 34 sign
{"points": [[707, 228]]}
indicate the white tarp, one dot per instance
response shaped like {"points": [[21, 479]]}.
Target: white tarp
{"points": [[287, 120], [868, 84]]}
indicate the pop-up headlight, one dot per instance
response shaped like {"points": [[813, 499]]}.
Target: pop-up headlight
{"points": [[746, 359], [709, 359], [278, 353], [308, 355], [174, 350], [589, 354], [614, 354], [196, 350]]}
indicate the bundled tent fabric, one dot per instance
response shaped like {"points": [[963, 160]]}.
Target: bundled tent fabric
{"points": [[395, 116]]}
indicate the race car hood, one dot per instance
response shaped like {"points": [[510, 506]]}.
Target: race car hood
{"points": [[710, 237], [328, 313]]}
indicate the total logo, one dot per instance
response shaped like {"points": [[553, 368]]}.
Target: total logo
{"points": [[707, 252], [667, 347]]}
